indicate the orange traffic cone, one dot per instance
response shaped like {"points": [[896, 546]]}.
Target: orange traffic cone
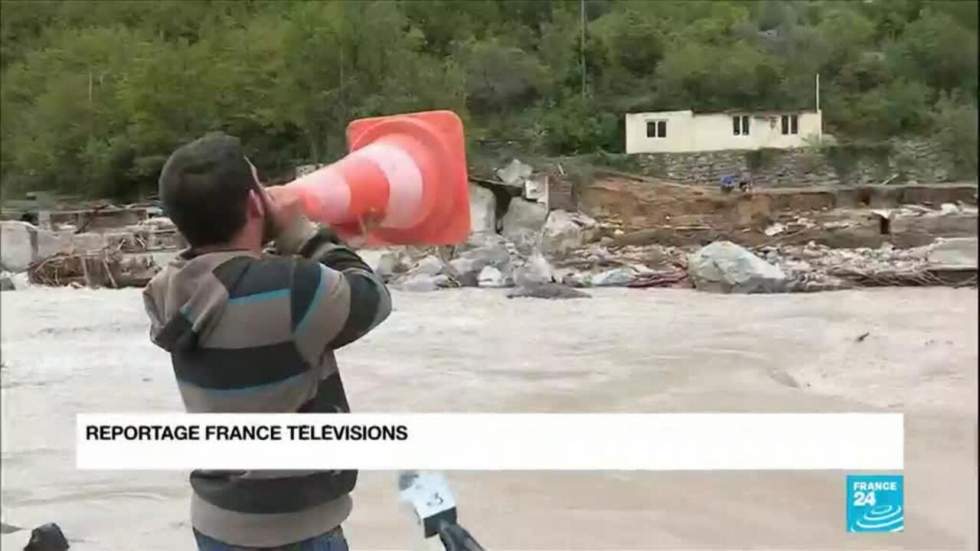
{"points": [[407, 171]]}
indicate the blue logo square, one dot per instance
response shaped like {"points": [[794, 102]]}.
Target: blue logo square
{"points": [[875, 503]]}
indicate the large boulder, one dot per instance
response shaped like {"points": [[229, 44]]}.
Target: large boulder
{"points": [[725, 267], [483, 210], [564, 231], [523, 222], [954, 253], [18, 244]]}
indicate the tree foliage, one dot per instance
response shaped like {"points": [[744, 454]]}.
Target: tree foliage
{"points": [[95, 94]]}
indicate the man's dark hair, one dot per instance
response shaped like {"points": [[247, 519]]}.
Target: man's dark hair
{"points": [[204, 188]]}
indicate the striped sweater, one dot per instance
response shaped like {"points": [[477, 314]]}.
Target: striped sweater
{"points": [[255, 333]]}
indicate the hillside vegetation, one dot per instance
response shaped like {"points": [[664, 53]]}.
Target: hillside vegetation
{"points": [[95, 95]]}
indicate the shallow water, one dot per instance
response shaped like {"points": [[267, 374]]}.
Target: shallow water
{"points": [[70, 351]]}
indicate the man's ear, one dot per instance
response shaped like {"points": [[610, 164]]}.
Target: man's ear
{"points": [[256, 206]]}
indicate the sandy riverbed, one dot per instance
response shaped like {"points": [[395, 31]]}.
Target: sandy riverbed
{"points": [[70, 351]]}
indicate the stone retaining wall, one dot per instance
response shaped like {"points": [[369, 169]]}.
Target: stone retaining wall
{"points": [[898, 161]]}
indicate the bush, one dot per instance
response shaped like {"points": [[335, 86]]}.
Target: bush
{"points": [[573, 127], [955, 124]]}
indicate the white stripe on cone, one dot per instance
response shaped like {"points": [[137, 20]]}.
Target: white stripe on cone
{"points": [[404, 183]]}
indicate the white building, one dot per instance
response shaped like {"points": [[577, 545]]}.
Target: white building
{"points": [[685, 131]]}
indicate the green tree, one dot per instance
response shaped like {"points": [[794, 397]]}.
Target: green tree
{"points": [[500, 76], [939, 51], [955, 121]]}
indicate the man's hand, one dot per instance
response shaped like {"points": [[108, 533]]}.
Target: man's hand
{"points": [[368, 223], [285, 206]]}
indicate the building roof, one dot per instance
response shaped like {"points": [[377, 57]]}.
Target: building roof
{"points": [[773, 112], [757, 113]]}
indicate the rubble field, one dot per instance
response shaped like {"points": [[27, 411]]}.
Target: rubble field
{"points": [[617, 231], [629, 232]]}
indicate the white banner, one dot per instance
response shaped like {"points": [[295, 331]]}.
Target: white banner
{"points": [[465, 441]]}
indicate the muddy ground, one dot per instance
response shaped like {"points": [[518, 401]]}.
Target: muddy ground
{"points": [[69, 351], [652, 211]]}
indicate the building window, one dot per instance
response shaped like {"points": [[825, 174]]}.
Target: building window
{"points": [[656, 129], [791, 124], [740, 125]]}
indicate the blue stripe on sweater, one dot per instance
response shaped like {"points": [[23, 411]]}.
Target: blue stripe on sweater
{"points": [[317, 297], [260, 297]]}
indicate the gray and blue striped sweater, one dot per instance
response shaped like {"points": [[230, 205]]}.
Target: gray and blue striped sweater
{"points": [[255, 333]]}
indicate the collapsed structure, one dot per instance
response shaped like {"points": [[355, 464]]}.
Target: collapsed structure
{"points": [[97, 247]]}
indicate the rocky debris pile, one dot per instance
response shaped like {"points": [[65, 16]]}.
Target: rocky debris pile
{"points": [[945, 209], [536, 247], [813, 256], [600, 265], [483, 261], [815, 267], [528, 184], [725, 267], [520, 199], [845, 218], [429, 274], [562, 250]]}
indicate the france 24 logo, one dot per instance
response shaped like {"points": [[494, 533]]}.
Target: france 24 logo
{"points": [[875, 503]]}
